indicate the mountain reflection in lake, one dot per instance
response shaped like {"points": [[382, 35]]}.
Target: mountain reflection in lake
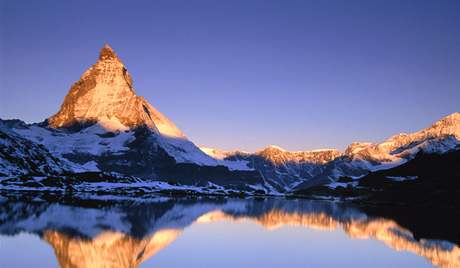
{"points": [[206, 232]]}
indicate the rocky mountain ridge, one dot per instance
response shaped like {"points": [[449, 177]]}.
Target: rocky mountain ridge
{"points": [[103, 126], [19, 155], [289, 170], [105, 92]]}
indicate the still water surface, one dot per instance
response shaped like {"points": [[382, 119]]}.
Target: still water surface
{"points": [[203, 232]]}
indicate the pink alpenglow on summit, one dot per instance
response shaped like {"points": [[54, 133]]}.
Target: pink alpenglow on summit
{"points": [[105, 94]]}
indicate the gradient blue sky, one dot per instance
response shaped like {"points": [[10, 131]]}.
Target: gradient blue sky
{"points": [[245, 74]]}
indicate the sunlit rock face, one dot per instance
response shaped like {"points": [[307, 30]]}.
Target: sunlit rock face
{"points": [[105, 93], [284, 170], [288, 170], [443, 135], [108, 249], [280, 156], [103, 126]]}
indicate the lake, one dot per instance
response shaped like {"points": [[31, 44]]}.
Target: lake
{"points": [[42, 230]]}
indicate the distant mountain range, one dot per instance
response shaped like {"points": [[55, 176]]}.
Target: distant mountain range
{"points": [[104, 128], [287, 170]]}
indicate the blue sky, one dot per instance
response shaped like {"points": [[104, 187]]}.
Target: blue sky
{"points": [[245, 74]]}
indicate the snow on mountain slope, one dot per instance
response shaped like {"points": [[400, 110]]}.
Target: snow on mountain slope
{"points": [[220, 156], [440, 137], [105, 95], [95, 140], [287, 170], [102, 123], [279, 156], [361, 158], [282, 169], [20, 156], [215, 153]]}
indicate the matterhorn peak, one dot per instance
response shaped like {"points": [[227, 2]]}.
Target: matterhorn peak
{"points": [[107, 53], [105, 93]]}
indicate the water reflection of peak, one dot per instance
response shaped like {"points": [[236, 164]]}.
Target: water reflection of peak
{"points": [[134, 229], [87, 219], [139, 219], [107, 249]]}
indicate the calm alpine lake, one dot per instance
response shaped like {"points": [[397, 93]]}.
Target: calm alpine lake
{"points": [[49, 231]]}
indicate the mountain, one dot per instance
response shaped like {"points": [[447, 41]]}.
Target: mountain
{"points": [[19, 155], [441, 137], [282, 169], [287, 171], [103, 126], [105, 94], [429, 179]]}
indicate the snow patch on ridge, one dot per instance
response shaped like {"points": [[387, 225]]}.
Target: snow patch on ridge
{"points": [[220, 156], [184, 151], [90, 140], [112, 124]]}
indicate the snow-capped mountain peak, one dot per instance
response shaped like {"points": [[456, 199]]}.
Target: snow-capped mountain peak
{"points": [[107, 52], [449, 125], [440, 137], [288, 169], [105, 92], [103, 124]]}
